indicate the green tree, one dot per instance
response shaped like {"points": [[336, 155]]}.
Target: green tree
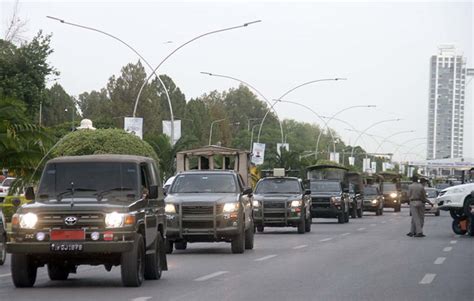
{"points": [[23, 71], [56, 101]]}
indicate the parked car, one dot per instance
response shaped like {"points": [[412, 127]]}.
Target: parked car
{"points": [[96, 209], [373, 199], [209, 206], [3, 238], [4, 187], [282, 202]]}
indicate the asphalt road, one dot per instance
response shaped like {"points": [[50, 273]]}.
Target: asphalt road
{"points": [[366, 259]]}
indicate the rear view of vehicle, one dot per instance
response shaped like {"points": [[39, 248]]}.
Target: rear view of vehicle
{"points": [[282, 202], [329, 192], [209, 206]]}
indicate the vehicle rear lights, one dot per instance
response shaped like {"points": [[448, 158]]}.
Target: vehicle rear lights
{"points": [[40, 236], [95, 235], [108, 235]]}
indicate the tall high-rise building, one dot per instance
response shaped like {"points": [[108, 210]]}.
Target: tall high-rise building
{"points": [[446, 104]]}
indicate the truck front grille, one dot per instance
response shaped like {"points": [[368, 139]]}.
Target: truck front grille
{"points": [[198, 210], [276, 205], [84, 220], [198, 224]]}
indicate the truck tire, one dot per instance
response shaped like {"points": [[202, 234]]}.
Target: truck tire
{"points": [[181, 245], [381, 211], [57, 272], [132, 264], [168, 246], [456, 212], [153, 261], [249, 237], [260, 228], [340, 218], [23, 270], [3, 249], [237, 244], [437, 212], [360, 213], [346, 217], [308, 223], [398, 208], [302, 226], [469, 206], [457, 227], [353, 212]]}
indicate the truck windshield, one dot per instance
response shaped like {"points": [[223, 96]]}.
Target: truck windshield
{"points": [[325, 187], [370, 190], [99, 180], [389, 187], [278, 186], [204, 183]]}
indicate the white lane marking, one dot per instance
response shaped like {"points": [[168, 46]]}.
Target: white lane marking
{"points": [[453, 242], [384, 222], [325, 239], [373, 225], [265, 257], [207, 277], [361, 229], [428, 279], [5, 275], [440, 260], [299, 247], [345, 234], [447, 249], [142, 299]]}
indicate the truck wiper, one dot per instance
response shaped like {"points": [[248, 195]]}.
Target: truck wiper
{"points": [[69, 190], [101, 194]]}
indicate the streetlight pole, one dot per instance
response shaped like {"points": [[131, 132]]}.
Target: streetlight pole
{"points": [[173, 52], [368, 128], [138, 54], [288, 92], [326, 123], [407, 141], [258, 92], [388, 137], [210, 131], [251, 138]]}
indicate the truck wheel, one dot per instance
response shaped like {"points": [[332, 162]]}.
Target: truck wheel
{"points": [[360, 213], [168, 246], [132, 264], [346, 217], [456, 212], [249, 237], [437, 212], [260, 228], [181, 245], [153, 261], [308, 223], [457, 227], [237, 244], [23, 270], [353, 212], [469, 206], [398, 208], [381, 211], [340, 218], [3, 249], [302, 226], [57, 271]]}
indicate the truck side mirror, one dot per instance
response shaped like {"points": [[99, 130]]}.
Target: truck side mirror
{"points": [[153, 193], [247, 190], [307, 192], [29, 193]]}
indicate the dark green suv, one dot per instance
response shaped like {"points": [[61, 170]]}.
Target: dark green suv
{"points": [[95, 210]]}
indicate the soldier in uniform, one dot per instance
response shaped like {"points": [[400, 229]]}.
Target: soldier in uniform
{"points": [[417, 197]]}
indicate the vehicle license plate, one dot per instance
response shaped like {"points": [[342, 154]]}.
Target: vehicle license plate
{"points": [[66, 247], [68, 235]]}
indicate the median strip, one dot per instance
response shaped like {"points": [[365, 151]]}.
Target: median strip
{"points": [[207, 277], [265, 257], [428, 279]]}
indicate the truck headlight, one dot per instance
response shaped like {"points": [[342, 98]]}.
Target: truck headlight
{"points": [[170, 208], [374, 201], [336, 200], [117, 220], [393, 195], [28, 220], [230, 207], [256, 203], [296, 203]]}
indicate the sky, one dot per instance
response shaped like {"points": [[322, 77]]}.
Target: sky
{"points": [[382, 48]]}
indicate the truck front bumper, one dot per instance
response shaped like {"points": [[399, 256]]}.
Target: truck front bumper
{"points": [[87, 247]]}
